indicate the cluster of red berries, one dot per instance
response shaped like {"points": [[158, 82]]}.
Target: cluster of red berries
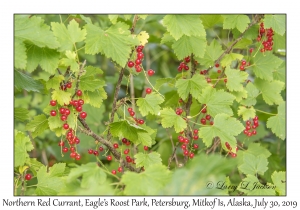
{"points": [[179, 111], [66, 85], [139, 58], [266, 37], [183, 65], [72, 140], [243, 65], [185, 145], [230, 150], [64, 111], [203, 72], [207, 118], [251, 129]]}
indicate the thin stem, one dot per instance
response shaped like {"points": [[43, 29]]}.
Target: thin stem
{"points": [[265, 112], [152, 85], [198, 113], [173, 156]]}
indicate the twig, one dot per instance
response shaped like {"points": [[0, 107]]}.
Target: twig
{"points": [[117, 89], [214, 146], [86, 130], [227, 51], [174, 156], [81, 70]]}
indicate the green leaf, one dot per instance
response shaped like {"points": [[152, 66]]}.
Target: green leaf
{"points": [[90, 84], [235, 78], [21, 114], [179, 25], [170, 119], [149, 104], [254, 164], [256, 149], [95, 98], [47, 58], [225, 127], [147, 159], [228, 58], [167, 38], [20, 57], [242, 44], [209, 21], [212, 53], [192, 86], [265, 64], [277, 22], [236, 21], [55, 122], [22, 145], [35, 31], [251, 186], [154, 178], [38, 125], [252, 93], [143, 138], [24, 82], [113, 18], [123, 129], [70, 60], [161, 81], [62, 97], [197, 175], [240, 95], [67, 37], [279, 45], [91, 71], [246, 112], [280, 73], [277, 123], [115, 43], [143, 16], [143, 37], [50, 183], [270, 90], [90, 173], [187, 45], [54, 82], [34, 165], [279, 180], [216, 101]]}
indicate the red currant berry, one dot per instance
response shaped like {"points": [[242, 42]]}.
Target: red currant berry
{"points": [[65, 149], [75, 103], [203, 121], [53, 103], [208, 80], [96, 153], [138, 68], [186, 68], [248, 122], [130, 64], [141, 121], [251, 50], [192, 155], [79, 108], [79, 93], [233, 154], [139, 49], [77, 140], [195, 131], [126, 151], [66, 126], [145, 148], [124, 140], [62, 110], [73, 154], [140, 55], [245, 132], [219, 71], [61, 144], [100, 149], [113, 171], [77, 157], [80, 101], [63, 117], [109, 157], [196, 146], [204, 110], [132, 113], [72, 149], [67, 112], [90, 151], [248, 127], [28, 177], [187, 59], [255, 118], [207, 117], [243, 62], [53, 113], [83, 115], [183, 147], [186, 153], [150, 72], [116, 146], [217, 65], [148, 90], [225, 80], [195, 137], [69, 85], [120, 169], [138, 61], [211, 122], [242, 68], [254, 132]]}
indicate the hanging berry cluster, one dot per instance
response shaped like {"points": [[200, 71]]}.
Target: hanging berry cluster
{"points": [[251, 129], [139, 58], [183, 65], [266, 38], [230, 150]]}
